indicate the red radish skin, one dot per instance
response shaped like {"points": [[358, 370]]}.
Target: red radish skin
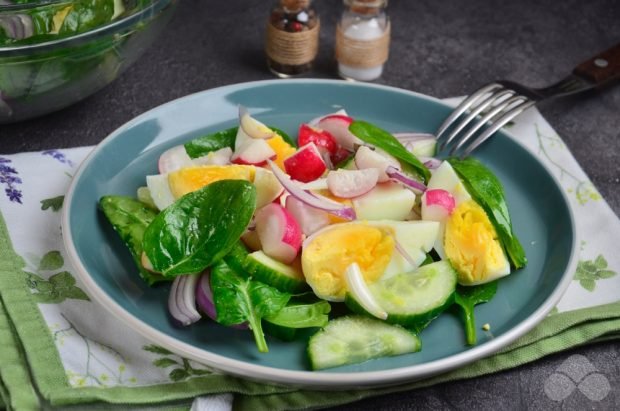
{"points": [[310, 219], [437, 205], [352, 183], [340, 155], [306, 164], [279, 233], [338, 127], [321, 138], [441, 198], [341, 117]]}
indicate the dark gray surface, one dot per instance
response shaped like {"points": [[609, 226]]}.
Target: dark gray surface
{"points": [[441, 48]]}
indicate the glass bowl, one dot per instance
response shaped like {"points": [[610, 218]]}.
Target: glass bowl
{"points": [[55, 53]]}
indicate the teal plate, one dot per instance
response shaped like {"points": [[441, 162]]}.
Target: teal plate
{"points": [[541, 216]]}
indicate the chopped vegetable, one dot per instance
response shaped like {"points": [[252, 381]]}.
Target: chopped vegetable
{"points": [[130, 219], [467, 298], [239, 299], [355, 339], [199, 228]]}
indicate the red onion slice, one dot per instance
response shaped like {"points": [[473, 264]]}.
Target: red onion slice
{"points": [[204, 296], [404, 253], [204, 299], [431, 163], [401, 177], [311, 199], [182, 300]]}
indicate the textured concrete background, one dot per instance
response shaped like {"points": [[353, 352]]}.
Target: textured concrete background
{"points": [[442, 48]]}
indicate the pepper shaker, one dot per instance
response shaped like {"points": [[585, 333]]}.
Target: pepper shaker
{"points": [[363, 39], [292, 41]]}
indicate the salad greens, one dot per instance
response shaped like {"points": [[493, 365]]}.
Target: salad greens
{"points": [[467, 298], [486, 189], [380, 138], [238, 300], [252, 262], [203, 145], [130, 218], [199, 228]]}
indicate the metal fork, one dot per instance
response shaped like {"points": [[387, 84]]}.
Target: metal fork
{"points": [[495, 104]]}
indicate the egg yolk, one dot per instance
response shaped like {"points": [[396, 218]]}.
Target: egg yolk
{"points": [[326, 258], [282, 149], [471, 244], [190, 179]]}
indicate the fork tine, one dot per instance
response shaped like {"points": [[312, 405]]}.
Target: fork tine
{"points": [[501, 107], [465, 104], [475, 111], [515, 111]]}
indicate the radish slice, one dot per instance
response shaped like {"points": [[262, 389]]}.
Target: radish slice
{"points": [[323, 139], [366, 157], [306, 164], [254, 152], [401, 177], [182, 299], [437, 205], [356, 285], [315, 121], [279, 232], [268, 188], [310, 219], [352, 183], [253, 127], [313, 200], [173, 159], [338, 127]]}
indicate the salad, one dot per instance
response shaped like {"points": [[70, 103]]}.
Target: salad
{"points": [[355, 240]]}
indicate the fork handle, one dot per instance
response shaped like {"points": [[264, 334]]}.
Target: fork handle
{"points": [[601, 68]]}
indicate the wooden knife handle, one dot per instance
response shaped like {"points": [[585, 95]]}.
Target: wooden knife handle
{"points": [[601, 68]]}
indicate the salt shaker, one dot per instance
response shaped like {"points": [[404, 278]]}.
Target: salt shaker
{"points": [[292, 41], [363, 39]]}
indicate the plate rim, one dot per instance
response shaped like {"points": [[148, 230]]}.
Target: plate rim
{"points": [[310, 379]]}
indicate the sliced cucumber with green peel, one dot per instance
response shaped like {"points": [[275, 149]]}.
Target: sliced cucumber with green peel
{"points": [[413, 299], [236, 259], [272, 272], [355, 339]]}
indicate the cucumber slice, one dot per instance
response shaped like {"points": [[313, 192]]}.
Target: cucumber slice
{"points": [[236, 259], [355, 339], [272, 272], [413, 299], [280, 332]]}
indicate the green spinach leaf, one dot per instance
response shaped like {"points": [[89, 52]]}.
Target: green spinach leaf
{"points": [[486, 189], [302, 315], [199, 228], [380, 138], [130, 219], [238, 300], [201, 146], [467, 298]]}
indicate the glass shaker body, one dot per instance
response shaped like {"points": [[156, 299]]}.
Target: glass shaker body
{"points": [[292, 37], [362, 40]]}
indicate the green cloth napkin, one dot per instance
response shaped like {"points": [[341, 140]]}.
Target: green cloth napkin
{"points": [[60, 349]]}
